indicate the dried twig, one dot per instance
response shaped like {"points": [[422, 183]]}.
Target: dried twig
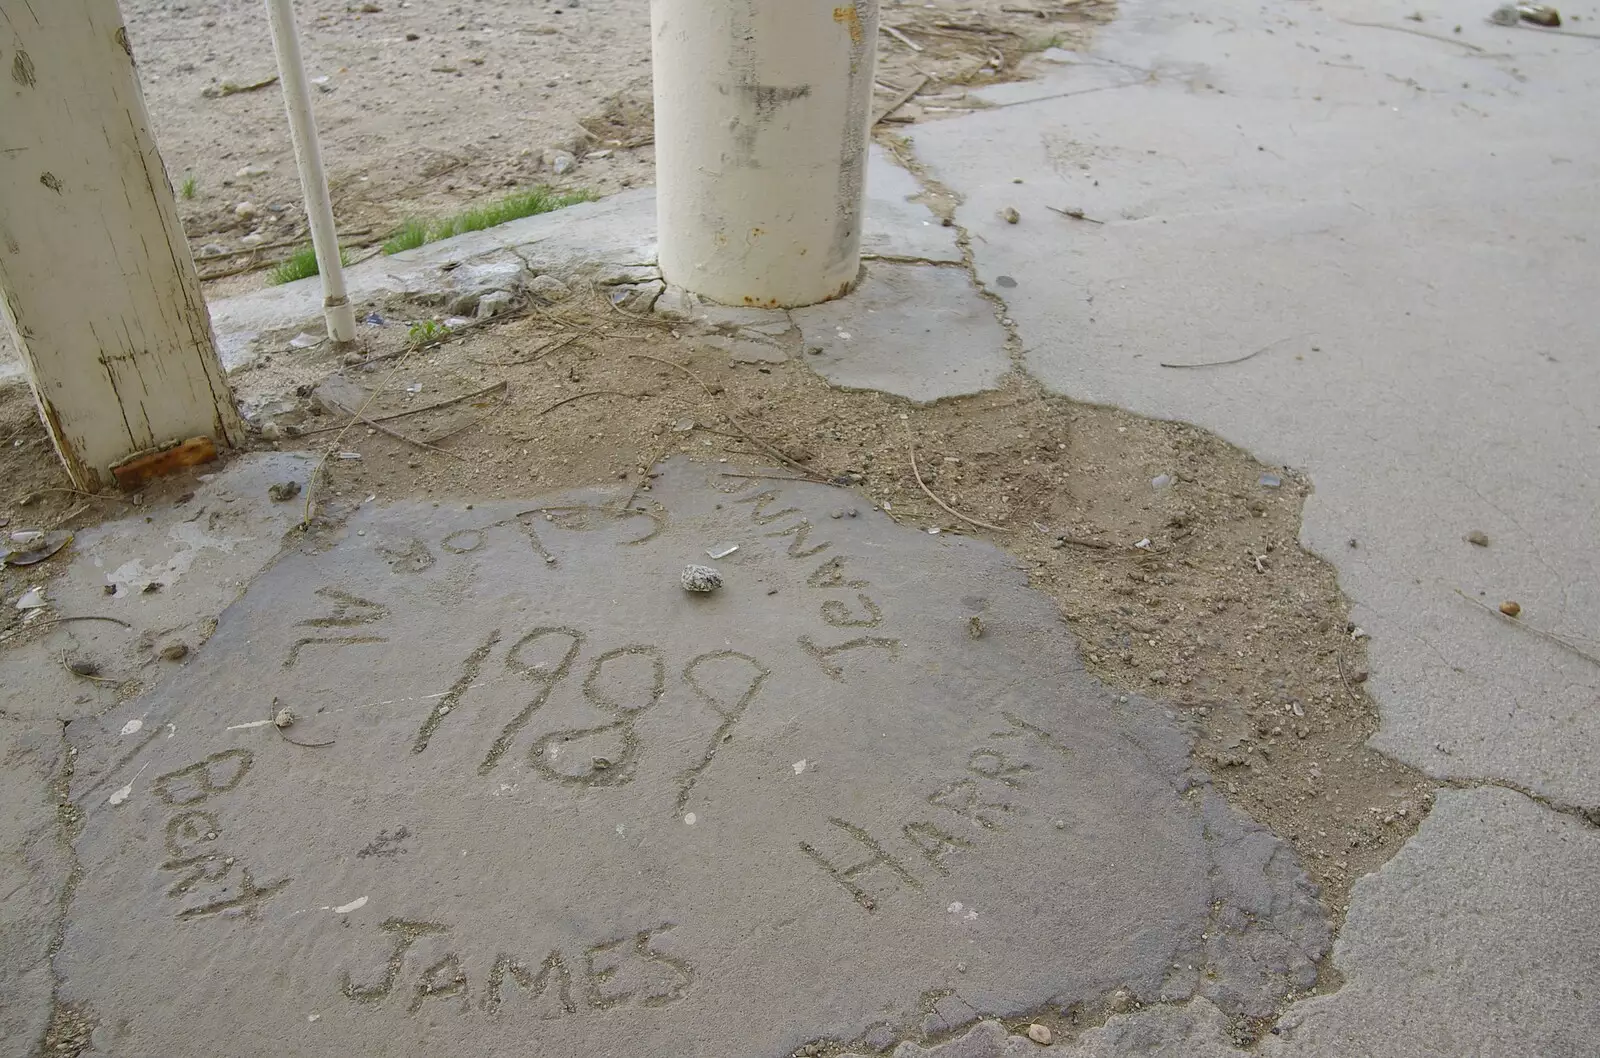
{"points": [[1237, 360], [435, 406], [1075, 214], [591, 393], [902, 99], [1415, 33], [911, 446], [548, 347], [764, 477], [385, 430], [280, 244], [744, 433], [272, 718], [1557, 639], [81, 670], [33, 496], [901, 37], [86, 617], [1078, 541]]}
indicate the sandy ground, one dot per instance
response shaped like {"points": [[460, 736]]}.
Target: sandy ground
{"points": [[426, 107], [1220, 610]]}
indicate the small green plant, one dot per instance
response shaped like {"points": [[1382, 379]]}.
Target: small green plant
{"points": [[424, 331], [528, 203], [302, 264], [191, 184], [412, 234]]}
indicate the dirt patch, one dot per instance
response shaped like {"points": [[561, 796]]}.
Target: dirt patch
{"points": [[1174, 556], [425, 108]]}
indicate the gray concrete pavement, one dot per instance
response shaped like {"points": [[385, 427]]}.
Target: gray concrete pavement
{"points": [[541, 797], [1406, 225], [1400, 223]]}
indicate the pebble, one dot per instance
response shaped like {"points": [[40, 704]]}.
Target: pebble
{"points": [[701, 579], [1010, 215], [548, 287], [251, 241], [175, 651], [283, 491], [1510, 608], [1478, 538], [1040, 1034], [245, 210], [562, 162], [285, 718], [493, 304]]}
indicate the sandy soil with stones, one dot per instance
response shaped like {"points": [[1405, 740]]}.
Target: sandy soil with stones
{"points": [[1172, 562], [427, 107]]}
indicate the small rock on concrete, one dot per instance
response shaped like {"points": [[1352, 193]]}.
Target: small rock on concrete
{"points": [[283, 491], [493, 304], [1478, 538], [175, 651], [701, 578], [1010, 215], [637, 298], [548, 288], [1040, 1034]]}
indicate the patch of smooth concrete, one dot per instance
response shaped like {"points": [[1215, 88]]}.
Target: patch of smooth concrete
{"points": [[1405, 226], [918, 331], [171, 570], [894, 225], [1477, 939], [544, 798], [33, 871]]}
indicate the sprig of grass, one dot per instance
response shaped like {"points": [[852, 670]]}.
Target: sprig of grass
{"points": [[412, 234], [191, 184], [302, 264], [532, 202]]}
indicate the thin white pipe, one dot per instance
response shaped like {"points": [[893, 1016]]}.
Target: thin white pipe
{"points": [[308, 156], [762, 108]]}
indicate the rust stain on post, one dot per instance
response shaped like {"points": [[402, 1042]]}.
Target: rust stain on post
{"points": [[849, 17]]}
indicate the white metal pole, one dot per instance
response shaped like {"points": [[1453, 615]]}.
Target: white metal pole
{"points": [[762, 111], [314, 182]]}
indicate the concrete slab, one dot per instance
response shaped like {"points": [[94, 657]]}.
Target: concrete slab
{"points": [[33, 870], [541, 798], [593, 239], [170, 570], [895, 226], [1477, 939], [918, 331], [1402, 224]]}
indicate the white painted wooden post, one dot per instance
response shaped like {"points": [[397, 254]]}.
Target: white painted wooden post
{"points": [[762, 112], [95, 272]]}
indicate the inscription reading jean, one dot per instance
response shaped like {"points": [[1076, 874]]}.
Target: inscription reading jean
{"points": [[547, 803]]}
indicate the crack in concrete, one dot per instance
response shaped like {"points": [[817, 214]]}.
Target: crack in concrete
{"points": [[69, 822]]}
